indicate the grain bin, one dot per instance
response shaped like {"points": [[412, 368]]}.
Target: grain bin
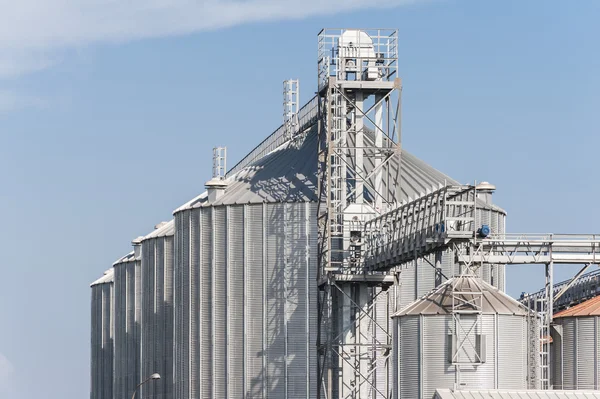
{"points": [[102, 349], [245, 276], [440, 344], [157, 311], [127, 290], [575, 346]]}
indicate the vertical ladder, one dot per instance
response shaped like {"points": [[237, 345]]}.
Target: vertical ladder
{"points": [[544, 342]]}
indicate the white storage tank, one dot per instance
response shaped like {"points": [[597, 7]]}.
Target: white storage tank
{"points": [[127, 289], [102, 349], [575, 354], [490, 340], [157, 311]]}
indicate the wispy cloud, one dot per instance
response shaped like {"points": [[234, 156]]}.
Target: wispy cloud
{"points": [[31, 31], [11, 101]]}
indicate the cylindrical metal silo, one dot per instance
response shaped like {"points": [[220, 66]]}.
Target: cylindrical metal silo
{"points": [[576, 347], [102, 333], [466, 334], [157, 311], [127, 290]]}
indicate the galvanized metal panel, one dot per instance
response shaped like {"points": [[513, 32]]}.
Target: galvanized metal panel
{"points": [[569, 353], [255, 383], [168, 318], [102, 338], [179, 339], [425, 275], [236, 305], [586, 352], [512, 352], [220, 302], [409, 358], [191, 297], [312, 298], [275, 301], [408, 285], [206, 305], [296, 300], [556, 347], [437, 371]]}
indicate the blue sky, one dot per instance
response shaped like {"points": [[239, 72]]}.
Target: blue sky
{"points": [[109, 112]]}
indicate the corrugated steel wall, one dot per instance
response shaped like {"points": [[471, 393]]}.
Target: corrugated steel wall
{"points": [[421, 351], [245, 283], [157, 316], [127, 289], [102, 350], [576, 353]]}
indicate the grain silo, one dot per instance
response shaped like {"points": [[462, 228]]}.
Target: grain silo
{"points": [[102, 350], [157, 311], [127, 290], [245, 275], [575, 354], [466, 334]]}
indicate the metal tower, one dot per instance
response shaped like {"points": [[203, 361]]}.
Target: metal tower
{"points": [[359, 134]]}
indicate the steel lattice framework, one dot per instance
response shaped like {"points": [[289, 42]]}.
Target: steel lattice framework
{"points": [[359, 120]]}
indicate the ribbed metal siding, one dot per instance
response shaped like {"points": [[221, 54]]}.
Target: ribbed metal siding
{"points": [[312, 295], [586, 353], [251, 256], [437, 371], [148, 319], [512, 352], [102, 346], [425, 275], [157, 316], [556, 360], [297, 293], [168, 319], [569, 353], [127, 331], [409, 358], [481, 376], [220, 302], [236, 314], [206, 304], [255, 302], [408, 287], [276, 334], [192, 296], [180, 338]]}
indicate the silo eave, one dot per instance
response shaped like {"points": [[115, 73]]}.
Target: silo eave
{"points": [[168, 229], [130, 257], [108, 277]]}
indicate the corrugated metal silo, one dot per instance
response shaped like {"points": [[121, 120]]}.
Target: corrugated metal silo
{"points": [[102, 333], [576, 346], [425, 341], [127, 289], [157, 311], [245, 283]]}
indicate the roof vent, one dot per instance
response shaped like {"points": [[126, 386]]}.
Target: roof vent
{"points": [[485, 191], [137, 247]]}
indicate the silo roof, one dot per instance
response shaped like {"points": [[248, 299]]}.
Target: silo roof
{"points": [[523, 394], [108, 277], [467, 288], [289, 174], [166, 230], [130, 257], [591, 307]]}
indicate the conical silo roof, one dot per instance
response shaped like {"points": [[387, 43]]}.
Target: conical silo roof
{"points": [[466, 288]]}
